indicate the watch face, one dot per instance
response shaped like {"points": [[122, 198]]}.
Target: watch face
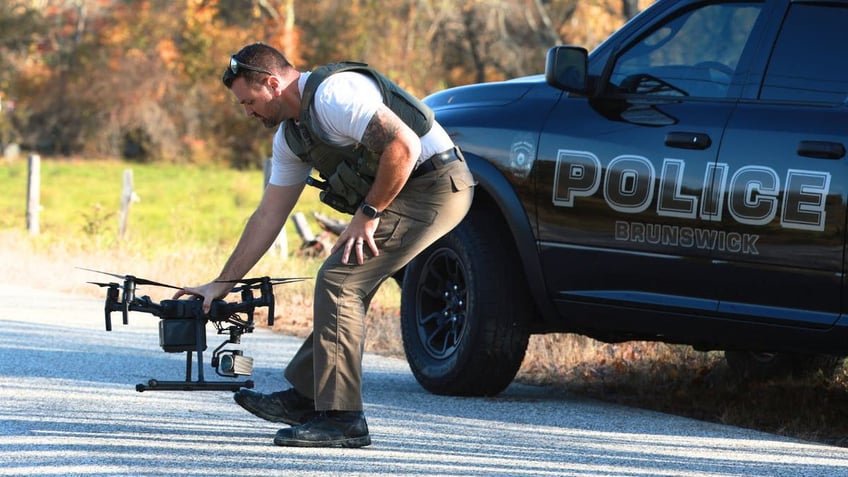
{"points": [[370, 211]]}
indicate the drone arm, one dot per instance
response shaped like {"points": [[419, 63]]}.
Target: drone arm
{"points": [[129, 297], [247, 298], [113, 303], [145, 305], [267, 290]]}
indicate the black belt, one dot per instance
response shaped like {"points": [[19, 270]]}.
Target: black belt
{"points": [[437, 161]]}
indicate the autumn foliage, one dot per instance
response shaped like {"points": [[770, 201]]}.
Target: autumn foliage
{"points": [[140, 79]]}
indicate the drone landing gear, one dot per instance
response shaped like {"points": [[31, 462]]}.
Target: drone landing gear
{"points": [[189, 385], [189, 335]]}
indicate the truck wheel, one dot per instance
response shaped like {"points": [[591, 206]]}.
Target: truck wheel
{"points": [[762, 365], [465, 308]]}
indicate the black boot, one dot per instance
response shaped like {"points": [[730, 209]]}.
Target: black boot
{"points": [[328, 429], [287, 406]]}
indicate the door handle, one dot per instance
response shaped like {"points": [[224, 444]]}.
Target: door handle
{"points": [[821, 149], [688, 140]]}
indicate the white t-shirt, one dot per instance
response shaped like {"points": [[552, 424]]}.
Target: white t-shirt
{"points": [[343, 106]]}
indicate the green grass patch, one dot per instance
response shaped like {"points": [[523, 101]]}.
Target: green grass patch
{"points": [[185, 207]]}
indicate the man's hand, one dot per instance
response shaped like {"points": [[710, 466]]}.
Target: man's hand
{"points": [[358, 234], [208, 292]]}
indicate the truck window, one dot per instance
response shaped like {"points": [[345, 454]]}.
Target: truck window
{"points": [[808, 62], [684, 56]]}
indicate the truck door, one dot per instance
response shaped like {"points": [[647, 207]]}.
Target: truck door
{"points": [[783, 162], [624, 177]]}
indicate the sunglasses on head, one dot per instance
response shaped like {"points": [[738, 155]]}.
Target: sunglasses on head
{"points": [[236, 66]]}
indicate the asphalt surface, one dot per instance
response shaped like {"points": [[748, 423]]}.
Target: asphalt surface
{"points": [[68, 406]]}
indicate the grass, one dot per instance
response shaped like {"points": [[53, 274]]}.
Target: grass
{"points": [[189, 218], [175, 204]]}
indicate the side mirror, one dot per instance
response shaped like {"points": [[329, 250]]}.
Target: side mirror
{"points": [[565, 68]]}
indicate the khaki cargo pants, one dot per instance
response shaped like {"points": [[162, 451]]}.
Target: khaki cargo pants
{"points": [[328, 366]]}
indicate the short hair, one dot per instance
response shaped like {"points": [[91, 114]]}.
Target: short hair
{"points": [[259, 56]]}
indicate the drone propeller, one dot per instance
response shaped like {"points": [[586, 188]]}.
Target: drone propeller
{"points": [[272, 281], [104, 285], [280, 281], [247, 283], [137, 280]]}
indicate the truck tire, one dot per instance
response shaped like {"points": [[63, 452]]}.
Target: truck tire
{"points": [[763, 366], [465, 309]]}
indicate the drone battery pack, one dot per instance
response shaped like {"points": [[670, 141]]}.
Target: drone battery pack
{"points": [[180, 334]]}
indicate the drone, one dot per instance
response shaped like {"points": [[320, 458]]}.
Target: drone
{"points": [[182, 327]]}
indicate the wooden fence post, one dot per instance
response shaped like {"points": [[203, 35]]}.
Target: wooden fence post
{"points": [[33, 194], [281, 243], [126, 200]]}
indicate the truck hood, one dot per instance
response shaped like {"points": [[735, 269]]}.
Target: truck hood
{"points": [[484, 94]]}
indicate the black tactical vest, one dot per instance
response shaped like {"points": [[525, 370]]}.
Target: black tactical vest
{"points": [[348, 171]]}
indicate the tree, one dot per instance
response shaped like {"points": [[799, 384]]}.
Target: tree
{"points": [[141, 78], [21, 28]]}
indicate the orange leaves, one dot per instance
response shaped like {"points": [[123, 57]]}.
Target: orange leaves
{"points": [[151, 68], [167, 51], [201, 11], [593, 22]]}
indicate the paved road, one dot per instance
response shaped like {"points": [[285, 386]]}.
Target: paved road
{"points": [[68, 406]]}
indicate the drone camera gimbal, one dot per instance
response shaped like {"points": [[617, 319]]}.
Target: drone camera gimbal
{"points": [[182, 327]]}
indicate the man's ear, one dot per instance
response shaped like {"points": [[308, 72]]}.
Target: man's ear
{"points": [[275, 85]]}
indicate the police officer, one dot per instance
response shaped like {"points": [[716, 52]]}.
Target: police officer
{"points": [[381, 157]]}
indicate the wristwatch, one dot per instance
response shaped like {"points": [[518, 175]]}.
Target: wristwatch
{"points": [[370, 211]]}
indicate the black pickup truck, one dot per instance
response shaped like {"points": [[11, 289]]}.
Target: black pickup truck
{"points": [[686, 182]]}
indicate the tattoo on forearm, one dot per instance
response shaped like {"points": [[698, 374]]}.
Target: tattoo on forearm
{"points": [[381, 130]]}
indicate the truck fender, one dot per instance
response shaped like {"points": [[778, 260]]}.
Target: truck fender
{"points": [[493, 190]]}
